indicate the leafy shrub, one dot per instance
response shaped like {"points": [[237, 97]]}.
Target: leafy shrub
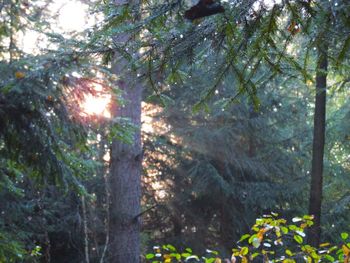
{"points": [[272, 239]]}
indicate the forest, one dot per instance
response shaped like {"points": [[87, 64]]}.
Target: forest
{"points": [[213, 131]]}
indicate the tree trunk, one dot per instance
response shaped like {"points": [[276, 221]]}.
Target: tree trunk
{"points": [[315, 200], [125, 166], [125, 179]]}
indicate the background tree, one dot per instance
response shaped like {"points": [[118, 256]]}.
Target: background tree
{"points": [[208, 184]]}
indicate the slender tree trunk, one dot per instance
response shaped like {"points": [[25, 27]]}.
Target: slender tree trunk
{"points": [[315, 200], [105, 174], [12, 32], [86, 232], [125, 168]]}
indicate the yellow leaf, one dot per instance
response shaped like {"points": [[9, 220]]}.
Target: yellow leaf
{"points": [[346, 250], [244, 260], [19, 75], [325, 244], [303, 225], [278, 232], [261, 233], [217, 260]]}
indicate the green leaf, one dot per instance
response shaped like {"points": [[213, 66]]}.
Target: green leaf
{"points": [[250, 240], [298, 239], [186, 255], [308, 217], [189, 250], [329, 258], [284, 230], [293, 227], [244, 251], [244, 237], [150, 256], [344, 235], [171, 247], [176, 255]]}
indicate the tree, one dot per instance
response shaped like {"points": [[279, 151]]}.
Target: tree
{"points": [[43, 146], [316, 187], [330, 16], [125, 166]]}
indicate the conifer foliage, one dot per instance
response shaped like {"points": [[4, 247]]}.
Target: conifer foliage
{"points": [[229, 121]]}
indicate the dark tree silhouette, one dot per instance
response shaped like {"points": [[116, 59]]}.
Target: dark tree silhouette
{"points": [[315, 200]]}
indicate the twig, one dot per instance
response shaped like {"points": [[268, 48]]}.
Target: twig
{"points": [[145, 211]]}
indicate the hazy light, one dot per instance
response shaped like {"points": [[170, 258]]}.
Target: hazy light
{"points": [[64, 16], [96, 105], [30, 42], [72, 15], [97, 102], [88, 100]]}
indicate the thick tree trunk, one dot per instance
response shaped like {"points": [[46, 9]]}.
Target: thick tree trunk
{"points": [[125, 179], [315, 200], [125, 167]]}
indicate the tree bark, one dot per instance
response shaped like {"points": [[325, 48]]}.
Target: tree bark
{"points": [[315, 200], [125, 179], [125, 166]]}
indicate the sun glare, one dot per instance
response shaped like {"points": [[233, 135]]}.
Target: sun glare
{"points": [[95, 105], [64, 17], [72, 15], [97, 101], [88, 100]]}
